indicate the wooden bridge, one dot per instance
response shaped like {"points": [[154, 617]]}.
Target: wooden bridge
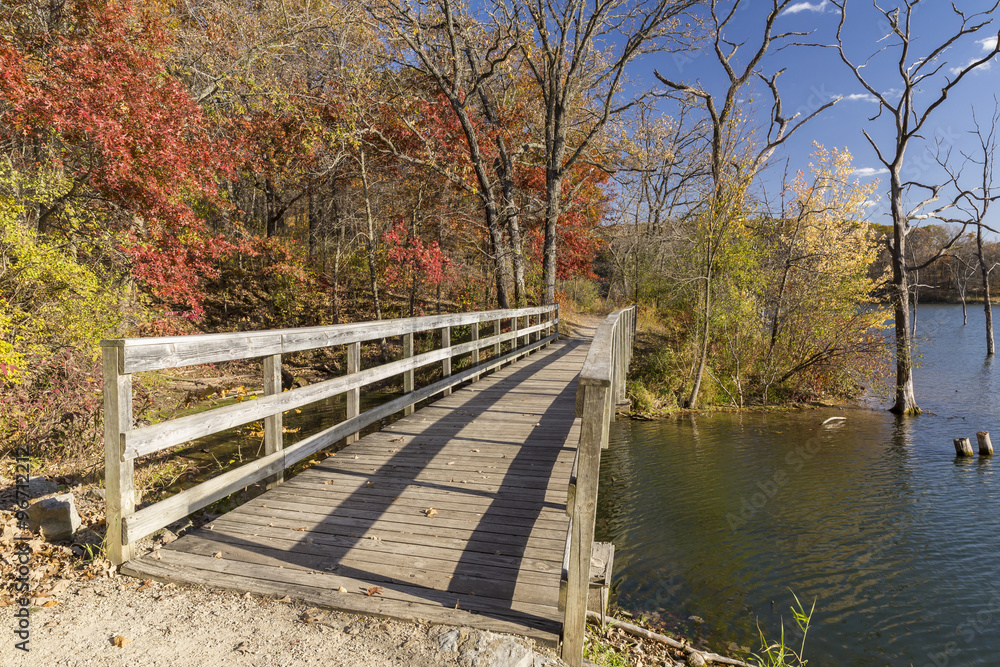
{"points": [[477, 509]]}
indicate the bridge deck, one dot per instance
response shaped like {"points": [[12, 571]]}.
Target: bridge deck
{"points": [[493, 460]]}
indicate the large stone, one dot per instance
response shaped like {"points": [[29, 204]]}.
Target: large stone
{"points": [[40, 486], [56, 517]]}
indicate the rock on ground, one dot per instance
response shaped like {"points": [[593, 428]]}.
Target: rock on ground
{"points": [[55, 517]]}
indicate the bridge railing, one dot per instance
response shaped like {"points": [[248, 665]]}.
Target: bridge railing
{"points": [[530, 328], [601, 386]]}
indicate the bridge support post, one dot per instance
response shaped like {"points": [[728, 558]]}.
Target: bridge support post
{"points": [[446, 362], [119, 481], [408, 375], [474, 333], [273, 439], [515, 323], [496, 332], [353, 395], [594, 433]]}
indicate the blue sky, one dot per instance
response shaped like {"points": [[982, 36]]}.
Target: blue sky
{"points": [[814, 76]]}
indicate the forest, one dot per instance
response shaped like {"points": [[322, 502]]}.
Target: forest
{"points": [[178, 167]]}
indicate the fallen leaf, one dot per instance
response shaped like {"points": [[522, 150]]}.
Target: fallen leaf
{"points": [[285, 599], [430, 512], [217, 554], [451, 463], [329, 482], [300, 529], [399, 439], [374, 590], [341, 589], [370, 485], [51, 603], [120, 641]]}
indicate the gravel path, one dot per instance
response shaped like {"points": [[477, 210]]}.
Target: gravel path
{"points": [[163, 624]]}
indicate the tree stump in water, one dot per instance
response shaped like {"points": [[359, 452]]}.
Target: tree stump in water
{"points": [[963, 447], [985, 446]]}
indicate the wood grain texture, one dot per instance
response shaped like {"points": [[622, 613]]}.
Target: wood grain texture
{"points": [[457, 511]]}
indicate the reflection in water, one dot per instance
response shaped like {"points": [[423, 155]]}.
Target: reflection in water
{"points": [[718, 516]]}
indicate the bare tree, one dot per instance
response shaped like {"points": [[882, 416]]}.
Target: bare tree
{"points": [[578, 57], [730, 171], [976, 205], [461, 59], [917, 73]]}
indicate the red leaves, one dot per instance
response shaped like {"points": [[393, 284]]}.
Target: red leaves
{"points": [[411, 259]]}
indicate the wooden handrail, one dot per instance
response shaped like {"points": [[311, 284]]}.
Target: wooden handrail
{"points": [[123, 357], [600, 387]]}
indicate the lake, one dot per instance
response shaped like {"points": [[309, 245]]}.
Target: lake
{"points": [[720, 517]]}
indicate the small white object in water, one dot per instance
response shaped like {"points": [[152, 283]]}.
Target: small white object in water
{"points": [[834, 419]]}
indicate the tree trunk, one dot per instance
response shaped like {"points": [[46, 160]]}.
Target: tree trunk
{"points": [[985, 273], [370, 238], [906, 402], [552, 196], [692, 402]]}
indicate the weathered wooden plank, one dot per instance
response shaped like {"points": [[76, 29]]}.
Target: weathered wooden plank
{"points": [[146, 354], [391, 511], [553, 500], [541, 549], [416, 502], [374, 521], [439, 550]]}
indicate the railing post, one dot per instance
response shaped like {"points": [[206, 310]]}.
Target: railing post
{"points": [[474, 333], [593, 435], [515, 323], [353, 394], [497, 325], [273, 439], [556, 332], [119, 482], [446, 362], [408, 375]]}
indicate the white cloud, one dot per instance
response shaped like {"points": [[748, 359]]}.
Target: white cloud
{"points": [[818, 7], [870, 202], [866, 172], [860, 97], [989, 43], [981, 68]]}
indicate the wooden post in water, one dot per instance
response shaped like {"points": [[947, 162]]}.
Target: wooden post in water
{"points": [[273, 428], [963, 447], [985, 446]]}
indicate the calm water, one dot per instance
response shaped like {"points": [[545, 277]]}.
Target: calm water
{"points": [[897, 541]]}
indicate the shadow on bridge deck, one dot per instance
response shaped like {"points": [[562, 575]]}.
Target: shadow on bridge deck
{"points": [[492, 461]]}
